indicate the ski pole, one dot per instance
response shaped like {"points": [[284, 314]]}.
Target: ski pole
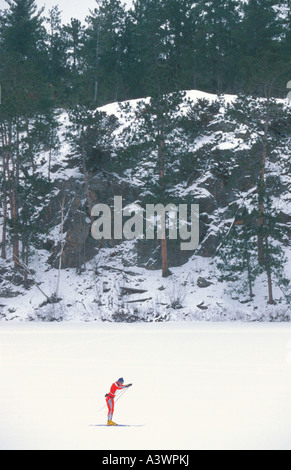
{"points": [[121, 393], [117, 398]]}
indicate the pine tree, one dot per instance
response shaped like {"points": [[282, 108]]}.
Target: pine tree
{"points": [[22, 29], [151, 140], [274, 259], [237, 255], [260, 45], [103, 49], [76, 64], [23, 58], [24, 95], [33, 191], [150, 46], [91, 135], [217, 27], [178, 20], [262, 117], [57, 49], [75, 37]]}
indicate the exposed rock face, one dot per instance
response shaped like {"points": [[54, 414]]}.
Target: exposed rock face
{"points": [[225, 168], [80, 247], [77, 250]]}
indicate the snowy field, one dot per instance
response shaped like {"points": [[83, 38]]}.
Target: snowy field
{"points": [[196, 386]]}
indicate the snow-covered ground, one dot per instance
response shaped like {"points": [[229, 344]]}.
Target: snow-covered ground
{"points": [[96, 294], [196, 385]]}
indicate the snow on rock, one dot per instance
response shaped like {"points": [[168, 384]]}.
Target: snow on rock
{"points": [[96, 294]]}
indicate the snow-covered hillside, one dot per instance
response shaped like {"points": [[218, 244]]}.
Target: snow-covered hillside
{"points": [[113, 284]]}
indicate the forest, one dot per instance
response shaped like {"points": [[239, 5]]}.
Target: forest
{"points": [[158, 49], [217, 46]]}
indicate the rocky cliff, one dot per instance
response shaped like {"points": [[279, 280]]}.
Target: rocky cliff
{"points": [[213, 160]]}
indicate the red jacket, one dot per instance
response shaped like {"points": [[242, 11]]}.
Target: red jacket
{"points": [[113, 389]]}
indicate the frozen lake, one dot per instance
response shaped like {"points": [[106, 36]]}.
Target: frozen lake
{"points": [[195, 385]]}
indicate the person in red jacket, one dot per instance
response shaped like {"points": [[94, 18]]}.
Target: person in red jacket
{"points": [[119, 385]]}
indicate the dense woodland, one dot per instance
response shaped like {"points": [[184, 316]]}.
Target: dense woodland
{"points": [[217, 46], [157, 49]]}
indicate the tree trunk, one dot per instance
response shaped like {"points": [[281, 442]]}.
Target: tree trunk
{"points": [[12, 176], [25, 260], [270, 288], [269, 273], [62, 248], [5, 210], [14, 217], [161, 157], [250, 279], [86, 177], [30, 150], [97, 64], [14, 209], [11, 182], [261, 188]]}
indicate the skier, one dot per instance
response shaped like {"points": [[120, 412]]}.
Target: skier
{"points": [[110, 399]]}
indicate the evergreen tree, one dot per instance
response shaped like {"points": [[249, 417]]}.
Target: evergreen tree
{"points": [[74, 37], [23, 54], [103, 49], [33, 192], [262, 118], [217, 48], [91, 135], [24, 95], [237, 256], [57, 48], [23, 32], [274, 259], [152, 141], [180, 18], [150, 46], [260, 46]]}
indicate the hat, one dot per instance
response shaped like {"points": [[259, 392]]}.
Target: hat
{"points": [[121, 380]]}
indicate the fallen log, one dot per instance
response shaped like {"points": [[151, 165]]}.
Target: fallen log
{"points": [[202, 306], [131, 291], [112, 268], [139, 300]]}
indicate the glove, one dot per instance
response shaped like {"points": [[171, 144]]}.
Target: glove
{"points": [[129, 385]]}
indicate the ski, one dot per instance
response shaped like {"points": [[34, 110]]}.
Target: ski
{"points": [[119, 425]]}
